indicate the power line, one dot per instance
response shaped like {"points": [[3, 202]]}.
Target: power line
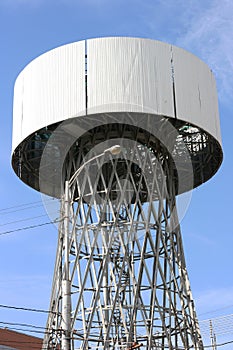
{"points": [[21, 207], [25, 330], [22, 325], [21, 220], [26, 309], [222, 325], [209, 312], [29, 227], [30, 327], [46, 330], [221, 344]]}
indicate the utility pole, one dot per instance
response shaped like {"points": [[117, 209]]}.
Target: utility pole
{"points": [[212, 337]]}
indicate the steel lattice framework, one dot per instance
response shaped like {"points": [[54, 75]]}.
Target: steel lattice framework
{"points": [[120, 271], [120, 279]]}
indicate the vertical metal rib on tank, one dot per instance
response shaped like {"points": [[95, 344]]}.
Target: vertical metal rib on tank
{"points": [[120, 279]]}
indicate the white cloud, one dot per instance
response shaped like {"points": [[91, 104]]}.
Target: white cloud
{"points": [[202, 27], [209, 35]]}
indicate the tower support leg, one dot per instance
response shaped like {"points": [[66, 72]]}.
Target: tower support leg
{"points": [[66, 284]]}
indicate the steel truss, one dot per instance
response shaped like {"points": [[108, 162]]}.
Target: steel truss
{"points": [[120, 279]]}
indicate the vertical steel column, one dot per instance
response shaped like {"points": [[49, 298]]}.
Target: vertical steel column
{"points": [[66, 284]]}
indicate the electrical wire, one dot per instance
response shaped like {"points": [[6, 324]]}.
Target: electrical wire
{"points": [[29, 227], [25, 330], [46, 330], [220, 344], [27, 309], [21, 207], [22, 325], [221, 325], [30, 328], [3, 212], [21, 220], [212, 311], [43, 330], [26, 204]]}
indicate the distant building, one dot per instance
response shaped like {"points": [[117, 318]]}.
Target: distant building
{"points": [[11, 340]]}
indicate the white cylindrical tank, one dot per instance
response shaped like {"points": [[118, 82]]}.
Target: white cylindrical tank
{"points": [[118, 75]]}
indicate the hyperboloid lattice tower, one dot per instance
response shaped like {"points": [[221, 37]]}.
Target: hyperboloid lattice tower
{"points": [[116, 128]]}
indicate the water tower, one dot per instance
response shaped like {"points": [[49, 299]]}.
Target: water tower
{"points": [[116, 128]]}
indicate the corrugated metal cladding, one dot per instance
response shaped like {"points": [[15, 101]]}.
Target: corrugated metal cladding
{"points": [[123, 74], [128, 74], [50, 89], [195, 92]]}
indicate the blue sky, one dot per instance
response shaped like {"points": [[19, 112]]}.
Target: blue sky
{"points": [[30, 27]]}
